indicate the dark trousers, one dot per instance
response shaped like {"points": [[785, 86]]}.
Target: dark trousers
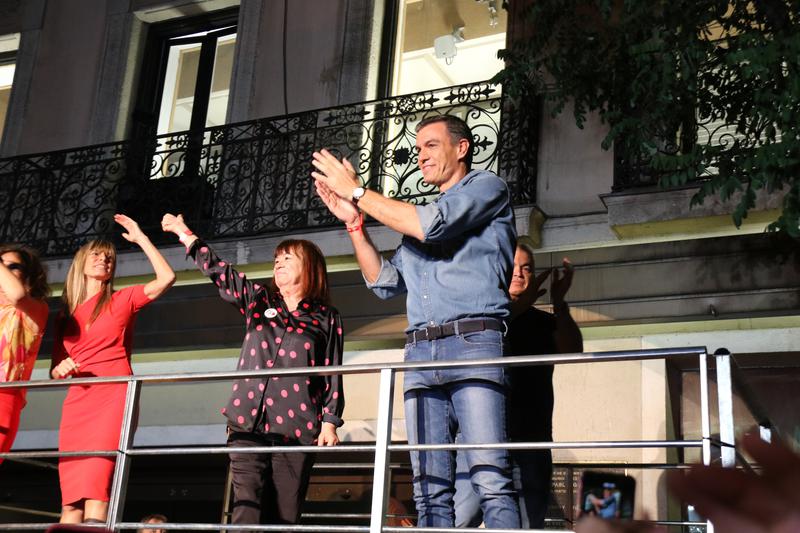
{"points": [[533, 475], [268, 488]]}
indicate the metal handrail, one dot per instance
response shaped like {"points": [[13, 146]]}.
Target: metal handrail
{"points": [[382, 445], [368, 368]]}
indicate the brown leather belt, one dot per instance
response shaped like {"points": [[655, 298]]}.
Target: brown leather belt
{"points": [[446, 330]]}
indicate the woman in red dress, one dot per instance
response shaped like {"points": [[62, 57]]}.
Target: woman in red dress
{"points": [[23, 315], [94, 339]]}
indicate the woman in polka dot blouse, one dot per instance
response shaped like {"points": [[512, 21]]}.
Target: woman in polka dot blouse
{"points": [[290, 324]]}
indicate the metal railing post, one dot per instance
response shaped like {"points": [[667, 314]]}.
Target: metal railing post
{"points": [[705, 413], [727, 429], [380, 481], [705, 419], [119, 484]]}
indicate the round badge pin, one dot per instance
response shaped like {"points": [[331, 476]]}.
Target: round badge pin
{"points": [[271, 313]]}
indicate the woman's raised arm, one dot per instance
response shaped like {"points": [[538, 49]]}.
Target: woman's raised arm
{"points": [[165, 277]]}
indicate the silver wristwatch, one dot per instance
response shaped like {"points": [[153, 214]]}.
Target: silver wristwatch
{"points": [[358, 193]]}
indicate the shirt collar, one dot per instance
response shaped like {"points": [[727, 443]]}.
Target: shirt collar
{"points": [[460, 183], [312, 304]]}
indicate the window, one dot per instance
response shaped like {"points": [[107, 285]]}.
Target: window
{"points": [[184, 88], [6, 77], [196, 81], [8, 57], [474, 30], [439, 44], [185, 80]]}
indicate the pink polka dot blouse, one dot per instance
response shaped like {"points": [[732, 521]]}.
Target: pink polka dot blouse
{"points": [[283, 408]]}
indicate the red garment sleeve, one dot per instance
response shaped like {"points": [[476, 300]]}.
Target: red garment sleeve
{"points": [[132, 298]]}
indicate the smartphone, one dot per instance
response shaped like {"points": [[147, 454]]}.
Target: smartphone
{"points": [[606, 495]]}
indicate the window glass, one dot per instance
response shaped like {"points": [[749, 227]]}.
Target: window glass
{"points": [[9, 44], [6, 77], [185, 65], [471, 32], [221, 81], [180, 80]]}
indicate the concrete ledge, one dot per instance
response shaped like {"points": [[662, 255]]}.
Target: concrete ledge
{"points": [[657, 213]]}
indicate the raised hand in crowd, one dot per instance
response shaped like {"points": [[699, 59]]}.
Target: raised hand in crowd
{"points": [[165, 277], [133, 232], [175, 224], [568, 336], [745, 501], [732, 499], [341, 190], [338, 176], [345, 210], [560, 283]]}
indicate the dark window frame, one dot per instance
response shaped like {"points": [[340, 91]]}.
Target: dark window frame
{"points": [[185, 191], [388, 45], [160, 37], [205, 73], [7, 58]]}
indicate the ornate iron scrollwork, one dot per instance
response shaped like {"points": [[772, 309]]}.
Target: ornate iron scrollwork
{"points": [[253, 177]]}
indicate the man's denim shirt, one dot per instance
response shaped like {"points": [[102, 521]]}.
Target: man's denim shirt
{"points": [[463, 266]]}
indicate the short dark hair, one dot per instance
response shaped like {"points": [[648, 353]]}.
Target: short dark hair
{"points": [[33, 271], [457, 128], [526, 247], [315, 272], [154, 518]]}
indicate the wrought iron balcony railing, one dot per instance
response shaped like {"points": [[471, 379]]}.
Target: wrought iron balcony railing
{"points": [[253, 177], [634, 169]]}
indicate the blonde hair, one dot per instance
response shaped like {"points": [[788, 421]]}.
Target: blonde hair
{"points": [[75, 285]]}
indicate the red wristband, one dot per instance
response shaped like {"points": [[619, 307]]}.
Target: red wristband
{"points": [[356, 227]]}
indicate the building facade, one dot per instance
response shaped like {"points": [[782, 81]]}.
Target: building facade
{"points": [[212, 108]]}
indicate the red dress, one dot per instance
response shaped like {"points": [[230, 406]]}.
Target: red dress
{"points": [[92, 415]]}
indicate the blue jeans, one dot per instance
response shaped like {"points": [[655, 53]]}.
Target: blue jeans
{"points": [[532, 473], [440, 403]]}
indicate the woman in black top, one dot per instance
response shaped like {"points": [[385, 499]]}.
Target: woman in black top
{"points": [[289, 324]]}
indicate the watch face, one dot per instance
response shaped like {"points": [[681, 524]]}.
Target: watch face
{"points": [[358, 192]]}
